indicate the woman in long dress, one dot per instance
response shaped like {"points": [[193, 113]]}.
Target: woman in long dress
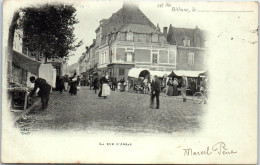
{"points": [[175, 87], [105, 87], [192, 87], [73, 85], [170, 88]]}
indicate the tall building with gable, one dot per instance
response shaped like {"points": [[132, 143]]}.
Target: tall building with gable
{"points": [[129, 40], [192, 48]]}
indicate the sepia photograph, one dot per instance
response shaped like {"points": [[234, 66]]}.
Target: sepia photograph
{"points": [[108, 81]]}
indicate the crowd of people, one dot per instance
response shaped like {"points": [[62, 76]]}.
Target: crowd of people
{"points": [[152, 85]]}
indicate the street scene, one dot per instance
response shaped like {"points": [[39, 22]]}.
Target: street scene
{"points": [[126, 73], [121, 112]]}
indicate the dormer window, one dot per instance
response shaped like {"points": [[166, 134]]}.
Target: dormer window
{"points": [[186, 42], [155, 38], [129, 36]]}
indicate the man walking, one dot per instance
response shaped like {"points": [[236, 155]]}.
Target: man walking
{"points": [[44, 91], [184, 84], [155, 92]]}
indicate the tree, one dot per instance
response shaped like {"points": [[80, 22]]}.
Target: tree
{"points": [[49, 30]]}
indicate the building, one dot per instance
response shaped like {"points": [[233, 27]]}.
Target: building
{"points": [[129, 40], [26, 64], [192, 48]]}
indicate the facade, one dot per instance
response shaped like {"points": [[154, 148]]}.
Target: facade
{"points": [[26, 64], [128, 39], [192, 48]]}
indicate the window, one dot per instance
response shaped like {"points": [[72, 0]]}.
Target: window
{"points": [[172, 57], [129, 36], [155, 58], [129, 55], [105, 55], [121, 72], [155, 38], [186, 42], [191, 58]]}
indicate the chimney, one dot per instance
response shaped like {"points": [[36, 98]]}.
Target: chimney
{"points": [[158, 28], [165, 31], [130, 4]]}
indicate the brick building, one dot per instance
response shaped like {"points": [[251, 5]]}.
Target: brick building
{"points": [[192, 50], [127, 40]]}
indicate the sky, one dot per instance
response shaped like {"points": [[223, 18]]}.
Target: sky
{"points": [[89, 14]]}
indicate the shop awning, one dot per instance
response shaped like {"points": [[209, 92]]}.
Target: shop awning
{"points": [[204, 74], [26, 63], [188, 73], [172, 74], [135, 72], [160, 73]]}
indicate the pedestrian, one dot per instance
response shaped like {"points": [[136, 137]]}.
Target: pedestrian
{"points": [[146, 88], [170, 87], [122, 85], [175, 87], [105, 88], [73, 85], [198, 83], [66, 82], [110, 82], [44, 91], [155, 92], [103, 92], [204, 85], [61, 84], [192, 87], [95, 84], [114, 84], [184, 83]]}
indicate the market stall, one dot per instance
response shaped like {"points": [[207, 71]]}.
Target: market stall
{"points": [[191, 76], [19, 96], [139, 79]]}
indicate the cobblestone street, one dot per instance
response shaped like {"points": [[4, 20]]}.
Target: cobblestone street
{"points": [[120, 112]]}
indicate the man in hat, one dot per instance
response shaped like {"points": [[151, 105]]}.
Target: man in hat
{"points": [[155, 92], [44, 91]]}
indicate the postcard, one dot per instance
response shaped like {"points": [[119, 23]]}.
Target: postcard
{"points": [[129, 82]]}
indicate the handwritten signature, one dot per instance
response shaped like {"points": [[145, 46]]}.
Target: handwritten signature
{"points": [[219, 148]]}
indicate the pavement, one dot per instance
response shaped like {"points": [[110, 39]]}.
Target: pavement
{"points": [[120, 112]]}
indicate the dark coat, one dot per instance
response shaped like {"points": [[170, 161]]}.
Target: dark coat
{"points": [[155, 85], [45, 88]]}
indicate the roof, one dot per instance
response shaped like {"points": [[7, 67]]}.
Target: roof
{"points": [[139, 28], [177, 35], [128, 14]]}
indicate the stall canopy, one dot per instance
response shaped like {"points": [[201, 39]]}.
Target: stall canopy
{"points": [[135, 72], [26, 63], [204, 74], [187, 73], [160, 73], [172, 74]]}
